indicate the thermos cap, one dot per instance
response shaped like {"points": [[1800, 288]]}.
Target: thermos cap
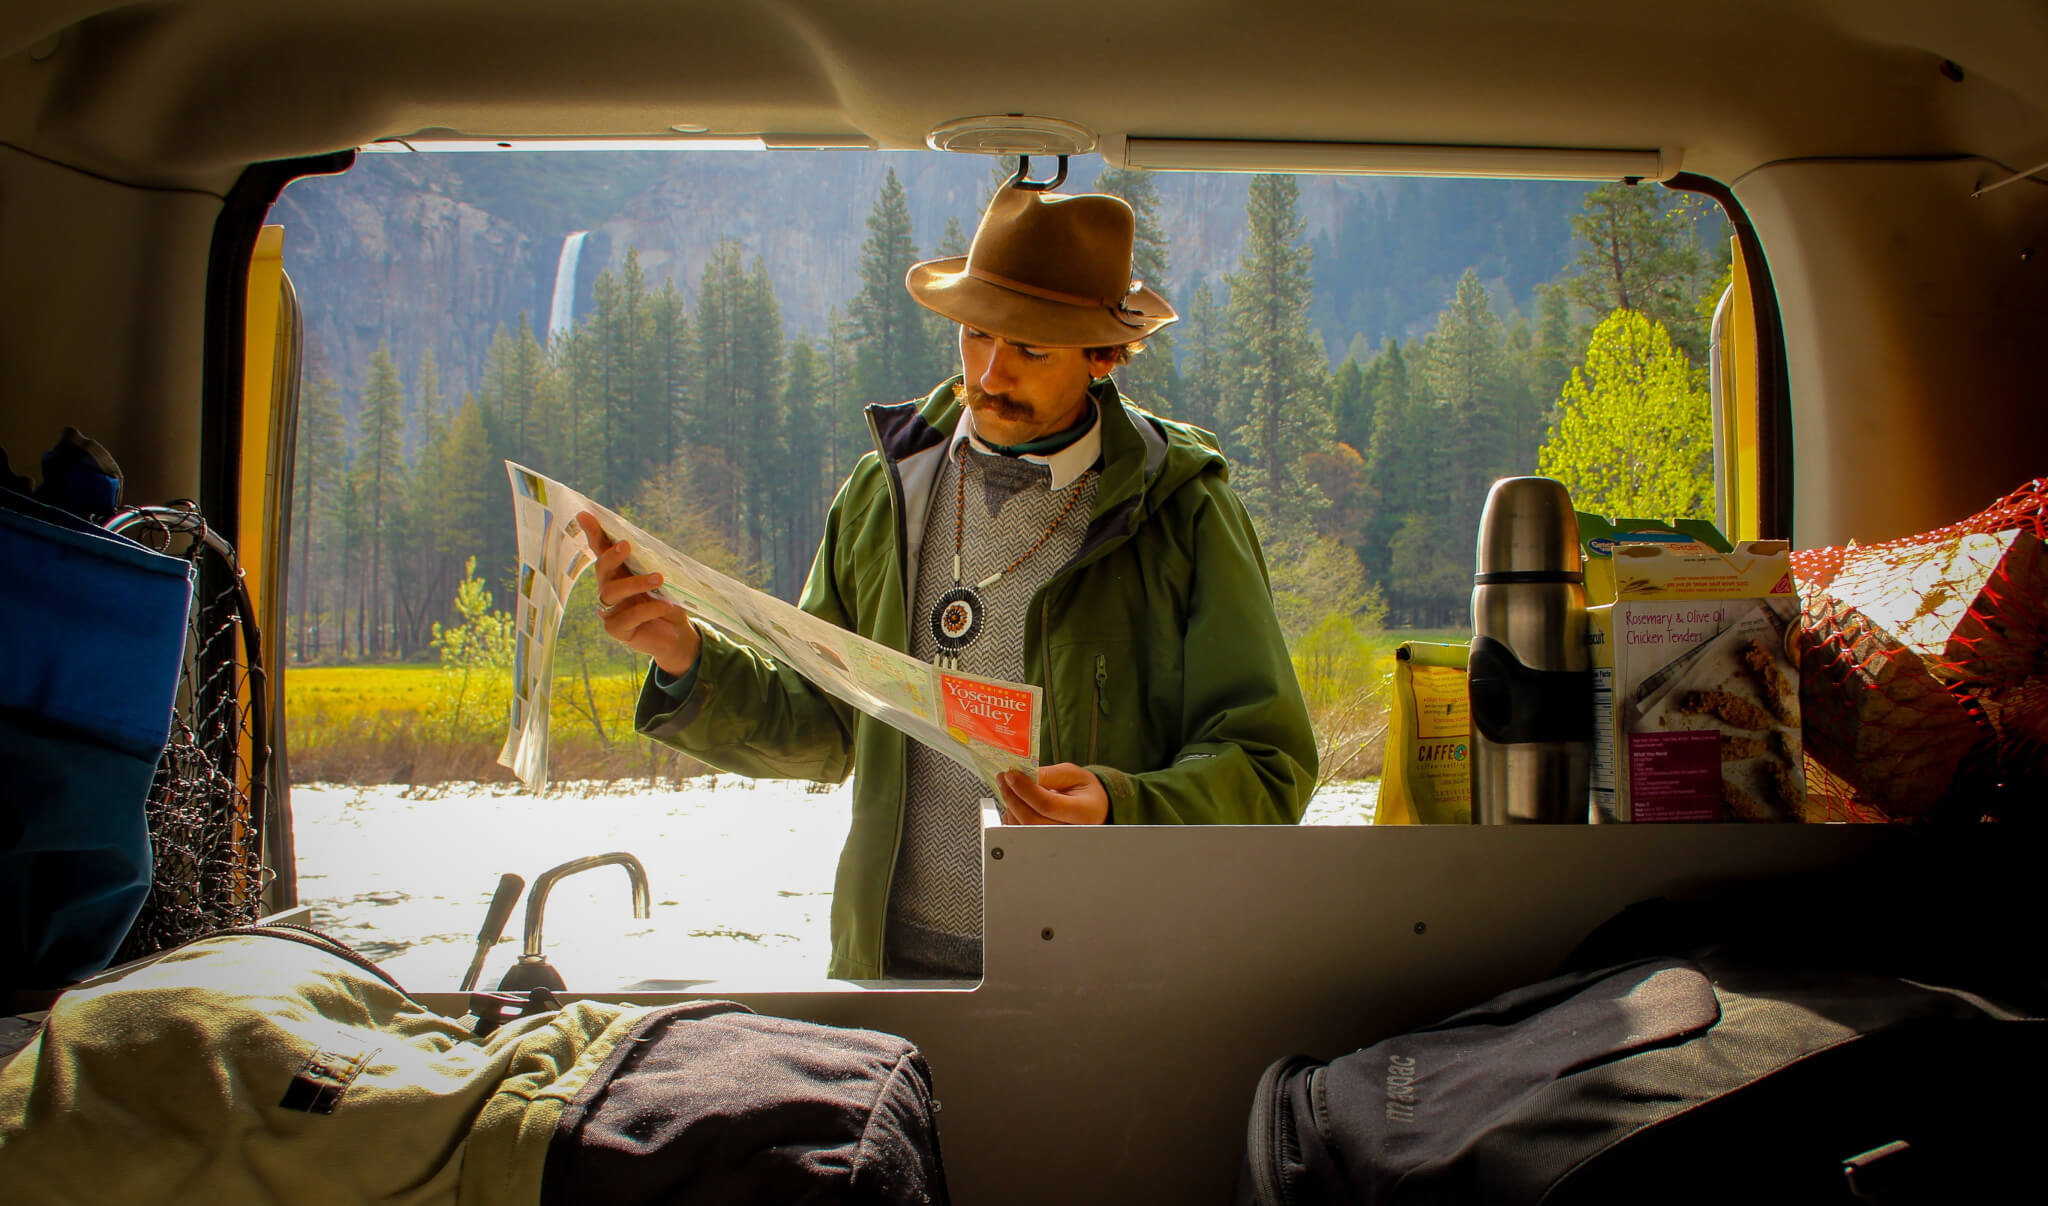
{"points": [[1529, 528]]}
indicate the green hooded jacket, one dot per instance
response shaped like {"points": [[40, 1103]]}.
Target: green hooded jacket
{"points": [[1163, 664]]}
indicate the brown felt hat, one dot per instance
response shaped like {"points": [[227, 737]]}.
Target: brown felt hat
{"points": [[1046, 270]]}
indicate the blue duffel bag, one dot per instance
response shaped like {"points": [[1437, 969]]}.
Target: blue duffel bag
{"points": [[94, 631]]}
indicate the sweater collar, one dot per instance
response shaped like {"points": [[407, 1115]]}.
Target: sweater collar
{"points": [[1067, 463]]}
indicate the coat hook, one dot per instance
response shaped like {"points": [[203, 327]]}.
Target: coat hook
{"points": [[1019, 179]]}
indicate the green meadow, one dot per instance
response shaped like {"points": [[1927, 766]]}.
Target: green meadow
{"points": [[423, 724]]}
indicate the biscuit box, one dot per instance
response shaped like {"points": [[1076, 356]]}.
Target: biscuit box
{"points": [[1695, 692]]}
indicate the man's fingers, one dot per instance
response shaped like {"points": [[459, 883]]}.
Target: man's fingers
{"points": [[1063, 776], [611, 561], [623, 623], [611, 592], [1016, 811], [1065, 794], [593, 532]]}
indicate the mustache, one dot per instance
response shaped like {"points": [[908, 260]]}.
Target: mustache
{"points": [[1002, 406]]}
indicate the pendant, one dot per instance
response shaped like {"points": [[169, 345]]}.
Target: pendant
{"points": [[956, 621]]}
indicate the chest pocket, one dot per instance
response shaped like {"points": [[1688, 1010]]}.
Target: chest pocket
{"points": [[1120, 704]]}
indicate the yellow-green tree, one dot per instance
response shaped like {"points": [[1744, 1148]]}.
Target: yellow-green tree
{"points": [[1634, 436], [476, 656]]}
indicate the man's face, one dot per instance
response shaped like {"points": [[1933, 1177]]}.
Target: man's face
{"points": [[1020, 393]]}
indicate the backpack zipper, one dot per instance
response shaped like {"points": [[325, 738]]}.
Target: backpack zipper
{"points": [[1270, 1135], [308, 936]]}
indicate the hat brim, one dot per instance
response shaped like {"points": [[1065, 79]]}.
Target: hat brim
{"points": [[944, 288]]}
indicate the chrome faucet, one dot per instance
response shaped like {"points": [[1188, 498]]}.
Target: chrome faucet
{"points": [[533, 970]]}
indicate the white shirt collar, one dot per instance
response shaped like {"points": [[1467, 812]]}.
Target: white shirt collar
{"points": [[1067, 464]]}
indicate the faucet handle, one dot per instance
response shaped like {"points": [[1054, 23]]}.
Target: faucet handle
{"points": [[502, 901]]}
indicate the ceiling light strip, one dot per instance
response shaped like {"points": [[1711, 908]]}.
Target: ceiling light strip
{"points": [[1397, 159]]}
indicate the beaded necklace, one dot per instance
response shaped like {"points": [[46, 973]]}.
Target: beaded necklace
{"points": [[956, 617]]}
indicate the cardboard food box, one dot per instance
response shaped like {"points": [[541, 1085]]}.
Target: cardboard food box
{"points": [[1695, 692], [1599, 536]]}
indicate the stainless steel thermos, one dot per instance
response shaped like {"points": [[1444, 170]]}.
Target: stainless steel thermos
{"points": [[1531, 686]]}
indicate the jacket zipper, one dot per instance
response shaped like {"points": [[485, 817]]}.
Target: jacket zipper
{"points": [[1045, 645], [895, 480], [1052, 714], [1101, 703]]}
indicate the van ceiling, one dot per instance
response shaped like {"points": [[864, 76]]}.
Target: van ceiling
{"points": [[187, 92]]}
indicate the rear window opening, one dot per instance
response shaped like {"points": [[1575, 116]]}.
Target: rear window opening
{"points": [[690, 338]]}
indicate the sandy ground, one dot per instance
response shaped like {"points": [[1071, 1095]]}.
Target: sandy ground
{"points": [[740, 873]]}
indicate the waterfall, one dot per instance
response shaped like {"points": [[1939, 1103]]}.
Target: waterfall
{"points": [[562, 309]]}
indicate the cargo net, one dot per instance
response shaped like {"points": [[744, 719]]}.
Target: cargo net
{"points": [[205, 804], [1924, 672]]}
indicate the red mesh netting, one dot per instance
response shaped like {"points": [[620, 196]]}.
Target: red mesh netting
{"points": [[1924, 673]]}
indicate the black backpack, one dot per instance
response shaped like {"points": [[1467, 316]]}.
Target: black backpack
{"points": [[1711, 1076], [710, 1102]]}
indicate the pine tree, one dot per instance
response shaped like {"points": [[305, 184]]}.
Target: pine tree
{"points": [[939, 330], [1556, 349], [841, 419], [672, 365], [1206, 382], [762, 453], [714, 430], [474, 498], [804, 439], [953, 242], [1281, 409], [1149, 378], [1469, 386], [354, 542], [316, 487], [896, 357], [1351, 404], [419, 563], [427, 411], [1639, 251], [621, 327], [380, 474], [1634, 434], [574, 409], [1400, 464], [509, 397]]}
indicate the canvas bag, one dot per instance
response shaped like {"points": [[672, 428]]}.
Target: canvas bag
{"points": [[1704, 1078], [274, 1064]]}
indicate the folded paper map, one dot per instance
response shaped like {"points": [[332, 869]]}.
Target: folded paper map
{"points": [[987, 725]]}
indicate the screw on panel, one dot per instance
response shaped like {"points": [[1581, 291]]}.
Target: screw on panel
{"points": [[995, 852], [1421, 927], [1046, 934]]}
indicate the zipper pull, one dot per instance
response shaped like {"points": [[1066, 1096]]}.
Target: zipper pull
{"points": [[1102, 683]]}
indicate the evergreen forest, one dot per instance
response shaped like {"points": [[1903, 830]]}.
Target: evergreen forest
{"points": [[693, 408]]}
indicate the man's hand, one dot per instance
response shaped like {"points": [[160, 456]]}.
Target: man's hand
{"points": [[640, 621], [1065, 794]]}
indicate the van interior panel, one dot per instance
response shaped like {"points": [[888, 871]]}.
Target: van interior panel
{"points": [[1306, 939]]}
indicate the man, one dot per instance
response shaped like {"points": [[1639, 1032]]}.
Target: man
{"points": [[1022, 522]]}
